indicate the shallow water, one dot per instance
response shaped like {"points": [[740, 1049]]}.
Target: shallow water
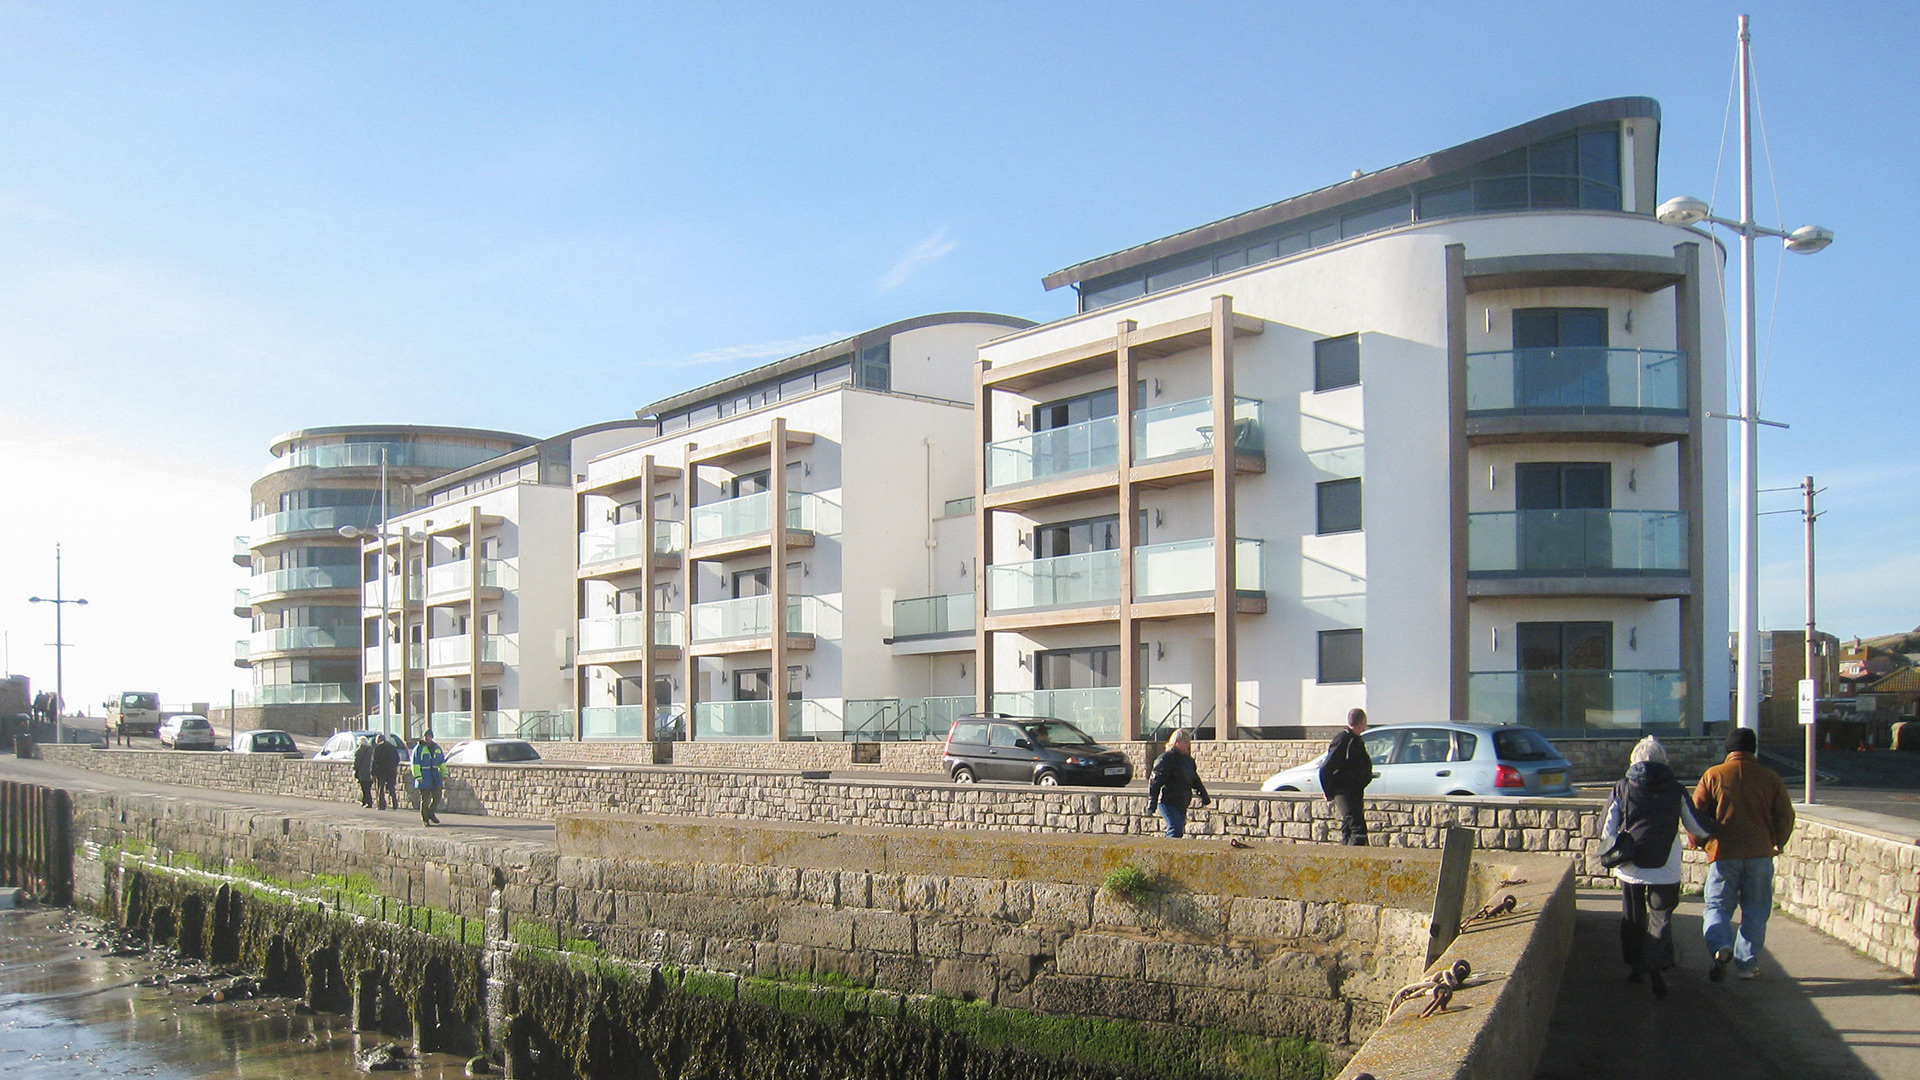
{"points": [[68, 1009]]}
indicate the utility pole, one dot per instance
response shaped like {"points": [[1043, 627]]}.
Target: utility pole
{"points": [[1812, 723], [59, 603]]}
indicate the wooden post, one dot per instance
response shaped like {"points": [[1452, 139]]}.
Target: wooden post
{"points": [[1450, 893], [1226, 660], [1127, 380]]}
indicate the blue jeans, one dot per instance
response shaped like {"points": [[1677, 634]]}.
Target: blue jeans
{"points": [[1176, 819], [1749, 884]]}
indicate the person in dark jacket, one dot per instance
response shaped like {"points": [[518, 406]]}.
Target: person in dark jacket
{"points": [[363, 770], [1175, 783], [1650, 807], [1344, 777], [386, 770]]}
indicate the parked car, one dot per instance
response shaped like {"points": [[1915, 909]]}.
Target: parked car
{"points": [[341, 746], [188, 731], [493, 752], [1030, 750], [1449, 759], [265, 741]]}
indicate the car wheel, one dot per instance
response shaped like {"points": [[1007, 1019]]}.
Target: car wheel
{"points": [[1047, 778], [963, 775], [1286, 787], [1452, 793]]}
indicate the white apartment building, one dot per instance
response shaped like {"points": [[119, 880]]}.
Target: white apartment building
{"points": [[479, 628], [1470, 473], [754, 551]]}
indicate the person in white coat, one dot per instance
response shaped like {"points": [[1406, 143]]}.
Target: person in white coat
{"points": [[1645, 816]]}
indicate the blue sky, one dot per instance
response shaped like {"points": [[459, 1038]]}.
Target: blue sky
{"points": [[222, 221]]}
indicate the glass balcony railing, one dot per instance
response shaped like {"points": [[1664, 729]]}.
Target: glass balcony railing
{"points": [[450, 725], [1061, 451], [242, 598], [1576, 380], [751, 514], [1094, 710], [314, 519], [456, 650], [1186, 427], [298, 578], [627, 540], [304, 637], [613, 722], [242, 649], [933, 616], [242, 546], [903, 719], [751, 616], [400, 455], [719, 720], [453, 577], [1576, 541], [396, 592], [1091, 577], [627, 631], [1186, 567], [302, 694], [1575, 703]]}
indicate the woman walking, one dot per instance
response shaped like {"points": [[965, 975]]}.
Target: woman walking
{"points": [[1175, 782], [1642, 839]]}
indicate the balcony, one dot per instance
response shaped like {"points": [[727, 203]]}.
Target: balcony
{"points": [[1578, 553], [1596, 703], [292, 638], [736, 525], [1094, 710], [627, 633], [1173, 443], [747, 623], [1577, 394], [302, 579], [932, 616], [323, 519], [242, 603], [301, 694], [397, 593], [456, 650], [452, 579], [1057, 452], [1088, 579], [748, 721], [242, 653], [627, 541], [1185, 568], [400, 455], [242, 551], [613, 722]]}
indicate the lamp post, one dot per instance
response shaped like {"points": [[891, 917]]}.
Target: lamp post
{"points": [[1686, 210], [59, 603], [386, 603]]}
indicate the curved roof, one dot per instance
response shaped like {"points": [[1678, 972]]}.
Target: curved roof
{"points": [[1440, 163], [399, 431], [802, 361]]}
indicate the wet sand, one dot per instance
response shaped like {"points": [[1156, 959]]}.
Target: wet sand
{"points": [[69, 1008]]}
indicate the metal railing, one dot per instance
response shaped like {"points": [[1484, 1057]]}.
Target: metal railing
{"points": [[1094, 710], [919, 719]]}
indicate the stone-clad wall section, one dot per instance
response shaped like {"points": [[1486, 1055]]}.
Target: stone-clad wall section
{"points": [[1858, 885], [1565, 827]]}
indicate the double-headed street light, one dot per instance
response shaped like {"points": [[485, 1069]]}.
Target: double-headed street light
{"points": [[59, 603], [1686, 210]]}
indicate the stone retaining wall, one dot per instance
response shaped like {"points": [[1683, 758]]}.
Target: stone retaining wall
{"points": [[1565, 827], [1857, 884]]}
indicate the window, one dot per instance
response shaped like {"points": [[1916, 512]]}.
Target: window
{"points": [[1424, 746], [1336, 362], [1340, 656], [1005, 735], [1465, 745], [1339, 506], [876, 367]]}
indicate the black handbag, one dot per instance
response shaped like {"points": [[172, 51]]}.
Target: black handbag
{"points": [[1620, 853]]}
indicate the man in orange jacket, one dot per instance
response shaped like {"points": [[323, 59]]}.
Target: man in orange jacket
{"points": [[1747, 807]]}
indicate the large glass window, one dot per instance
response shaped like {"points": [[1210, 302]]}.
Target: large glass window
{"points": [[1340, 656], [876, 367]]}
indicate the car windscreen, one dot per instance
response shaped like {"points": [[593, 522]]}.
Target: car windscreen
{"points": [[139, 701], [1056, 733], [1521, 744], [273, 744], [513, 751]]}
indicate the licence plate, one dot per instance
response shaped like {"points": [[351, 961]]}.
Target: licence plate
{"points": [[1552, 779], [1116, 770]]}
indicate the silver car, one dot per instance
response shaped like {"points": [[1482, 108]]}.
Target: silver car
{"points": [[265, 741], [188, 731], [1449, 759]]}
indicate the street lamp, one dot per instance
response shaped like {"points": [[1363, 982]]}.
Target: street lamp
{"points": [[1686, 210], [59, 603]]}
